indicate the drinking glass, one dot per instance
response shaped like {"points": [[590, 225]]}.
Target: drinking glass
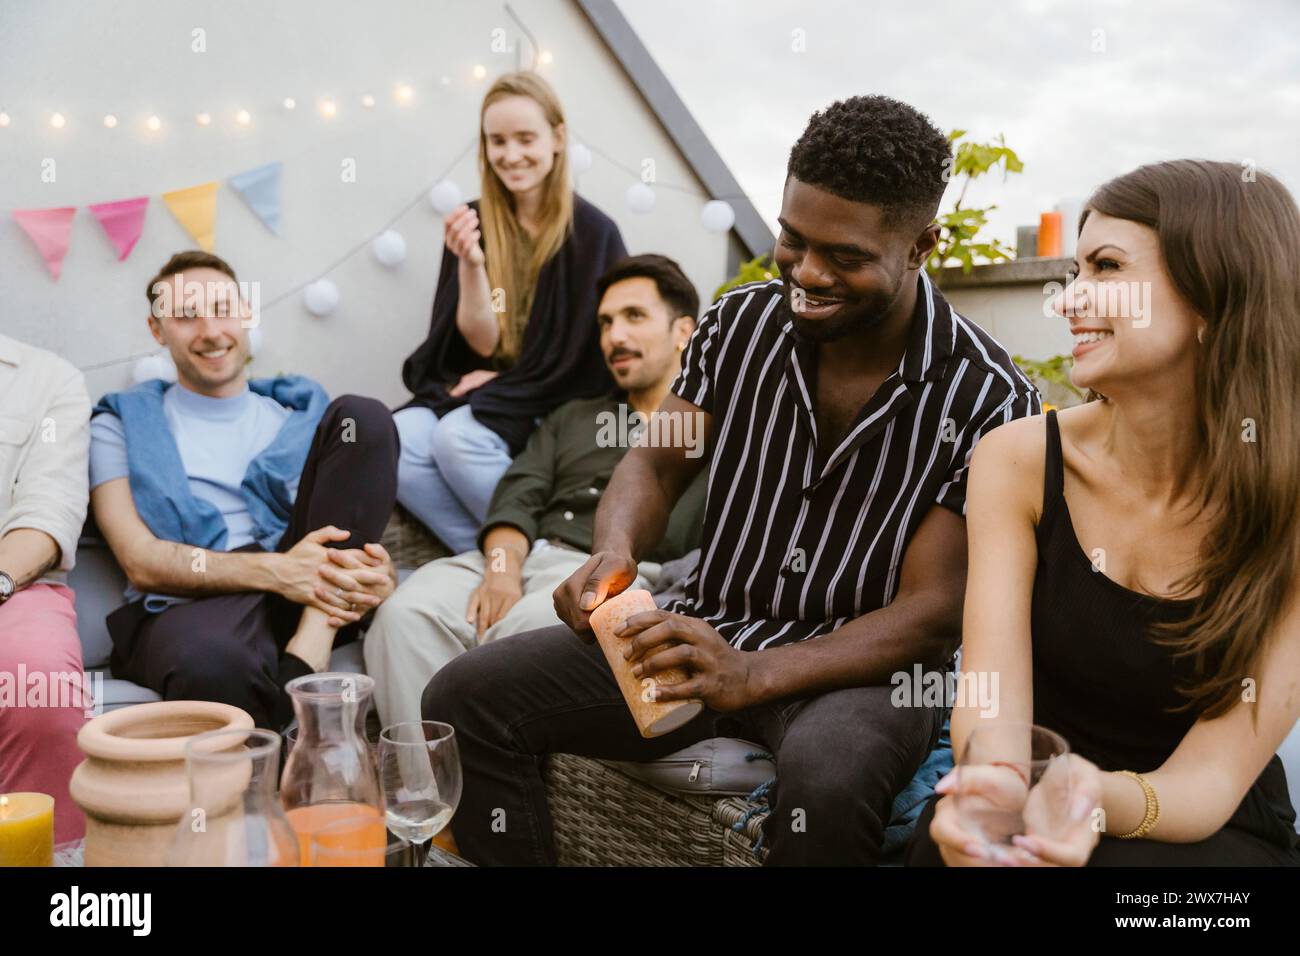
{"points": [[234, 817], [1010, 775], [419, 772]]}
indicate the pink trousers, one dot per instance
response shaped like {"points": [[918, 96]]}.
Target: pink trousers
{"points": [[38, 738]]}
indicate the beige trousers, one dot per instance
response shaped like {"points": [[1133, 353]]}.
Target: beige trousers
{"points": [[423, 625]]}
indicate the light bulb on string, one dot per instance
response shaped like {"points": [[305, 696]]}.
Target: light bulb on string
{"points": [[640, 197], [4, 119], [290, 103], [368, 101], [545, 58], [243, 117], [154, 124], [57, 121], [110, 121], [480, 71], [717, 215], [203, 119], [404, 93], [328, 109]]}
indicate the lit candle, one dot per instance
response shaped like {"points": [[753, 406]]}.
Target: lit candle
{"points": [[26, 829]]}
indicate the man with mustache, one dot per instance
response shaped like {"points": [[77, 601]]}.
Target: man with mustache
{"points": [[538, 526], [246, 515], [844, 401]]}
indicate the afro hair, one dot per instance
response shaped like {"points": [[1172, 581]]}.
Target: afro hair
{"points": [[877, 150]]}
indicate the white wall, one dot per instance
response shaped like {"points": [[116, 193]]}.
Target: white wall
{"points": [[1014, 315], [86, 58]]}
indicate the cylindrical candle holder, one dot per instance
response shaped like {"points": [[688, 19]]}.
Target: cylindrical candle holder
{"points": [[26, 829], [1049, 235], [653, 718]]}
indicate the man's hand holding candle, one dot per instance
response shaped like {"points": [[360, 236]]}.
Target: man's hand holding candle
{"points": [[605, 574], [720, 674]]}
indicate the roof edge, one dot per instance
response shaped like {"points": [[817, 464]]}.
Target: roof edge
{"points": [[622, 40]]}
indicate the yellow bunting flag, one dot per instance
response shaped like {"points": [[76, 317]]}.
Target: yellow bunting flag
{"points": [[195, 208]]}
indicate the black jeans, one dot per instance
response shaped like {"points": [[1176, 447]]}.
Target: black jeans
{"points": [[841, 757], [229, 647]]}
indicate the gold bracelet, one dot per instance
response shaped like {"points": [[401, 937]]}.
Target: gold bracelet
{"points": [[1153, 809]]}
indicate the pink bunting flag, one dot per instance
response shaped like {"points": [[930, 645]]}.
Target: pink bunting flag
{"points": [[49, 229], [123, 221]]}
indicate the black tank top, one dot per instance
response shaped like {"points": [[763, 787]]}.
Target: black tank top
{"points": [[1099, 679], [1103, 684]]}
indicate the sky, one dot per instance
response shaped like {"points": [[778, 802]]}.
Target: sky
{"points": [[1083, 90]]}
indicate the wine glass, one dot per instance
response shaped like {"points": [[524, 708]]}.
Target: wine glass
{"points": [[1011, 774], [419, 771]]}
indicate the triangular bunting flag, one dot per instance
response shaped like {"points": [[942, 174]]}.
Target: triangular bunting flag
{"points": [[49, 229], [260, 188], [195, 208], [123, 221]]}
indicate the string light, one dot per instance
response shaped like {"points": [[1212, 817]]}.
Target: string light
{"points": [[110, 121], [155, 124], [243, 118], [57, 120], [367, 101], [290, 103], [404, 93], [203, 119], [4, 119], [328, 109], [480, 71], [545, 58]]}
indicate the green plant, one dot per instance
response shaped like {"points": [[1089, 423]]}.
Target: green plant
{"points": [[759, 269], [1053, 371], [958, 239]]}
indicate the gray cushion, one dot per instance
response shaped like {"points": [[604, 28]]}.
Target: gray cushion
{"points": [[722, 766], [117, 693], [98, 583]]}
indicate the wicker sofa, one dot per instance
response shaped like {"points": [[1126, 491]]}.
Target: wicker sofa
{"points": [[603, 813]]}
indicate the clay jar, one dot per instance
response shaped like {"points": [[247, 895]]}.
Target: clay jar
{"points": [[132, 785]]}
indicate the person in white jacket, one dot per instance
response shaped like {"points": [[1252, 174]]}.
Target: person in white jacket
{"points": [[44, 698]]}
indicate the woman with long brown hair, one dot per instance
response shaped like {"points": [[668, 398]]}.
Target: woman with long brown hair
{"points": [[1135, 561], [514, 330]]}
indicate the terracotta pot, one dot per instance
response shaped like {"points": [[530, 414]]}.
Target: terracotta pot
{"points": [[132, 785]]}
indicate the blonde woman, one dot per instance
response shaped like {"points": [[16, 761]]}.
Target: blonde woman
{"points": [[514, 330], [1135, 561]]}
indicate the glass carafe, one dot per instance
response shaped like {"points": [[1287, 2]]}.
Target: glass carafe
{"points": [[234, 817], [330, 774]]}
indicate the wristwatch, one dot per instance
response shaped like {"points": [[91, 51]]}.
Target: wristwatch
{"points": [[7, 587]]}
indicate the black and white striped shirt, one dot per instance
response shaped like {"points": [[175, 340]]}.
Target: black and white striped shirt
{"points": [[790, 552]]}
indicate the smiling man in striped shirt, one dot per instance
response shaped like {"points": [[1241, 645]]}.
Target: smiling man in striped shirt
{"points": [[842, 403]]}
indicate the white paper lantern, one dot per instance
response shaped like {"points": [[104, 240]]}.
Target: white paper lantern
{"points": [[640, 197], [579, 158], [444, 197], [717, 215], [321, 297], [158, 365], [389, 248]]}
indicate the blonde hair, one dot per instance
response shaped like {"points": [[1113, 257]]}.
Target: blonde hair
{"points": [[503, 238]]}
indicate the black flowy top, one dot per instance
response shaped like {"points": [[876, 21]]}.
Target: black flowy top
{"points": [[560, 356]]}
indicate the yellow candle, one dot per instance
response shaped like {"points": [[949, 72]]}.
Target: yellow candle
{"points": [[26, 829]]}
